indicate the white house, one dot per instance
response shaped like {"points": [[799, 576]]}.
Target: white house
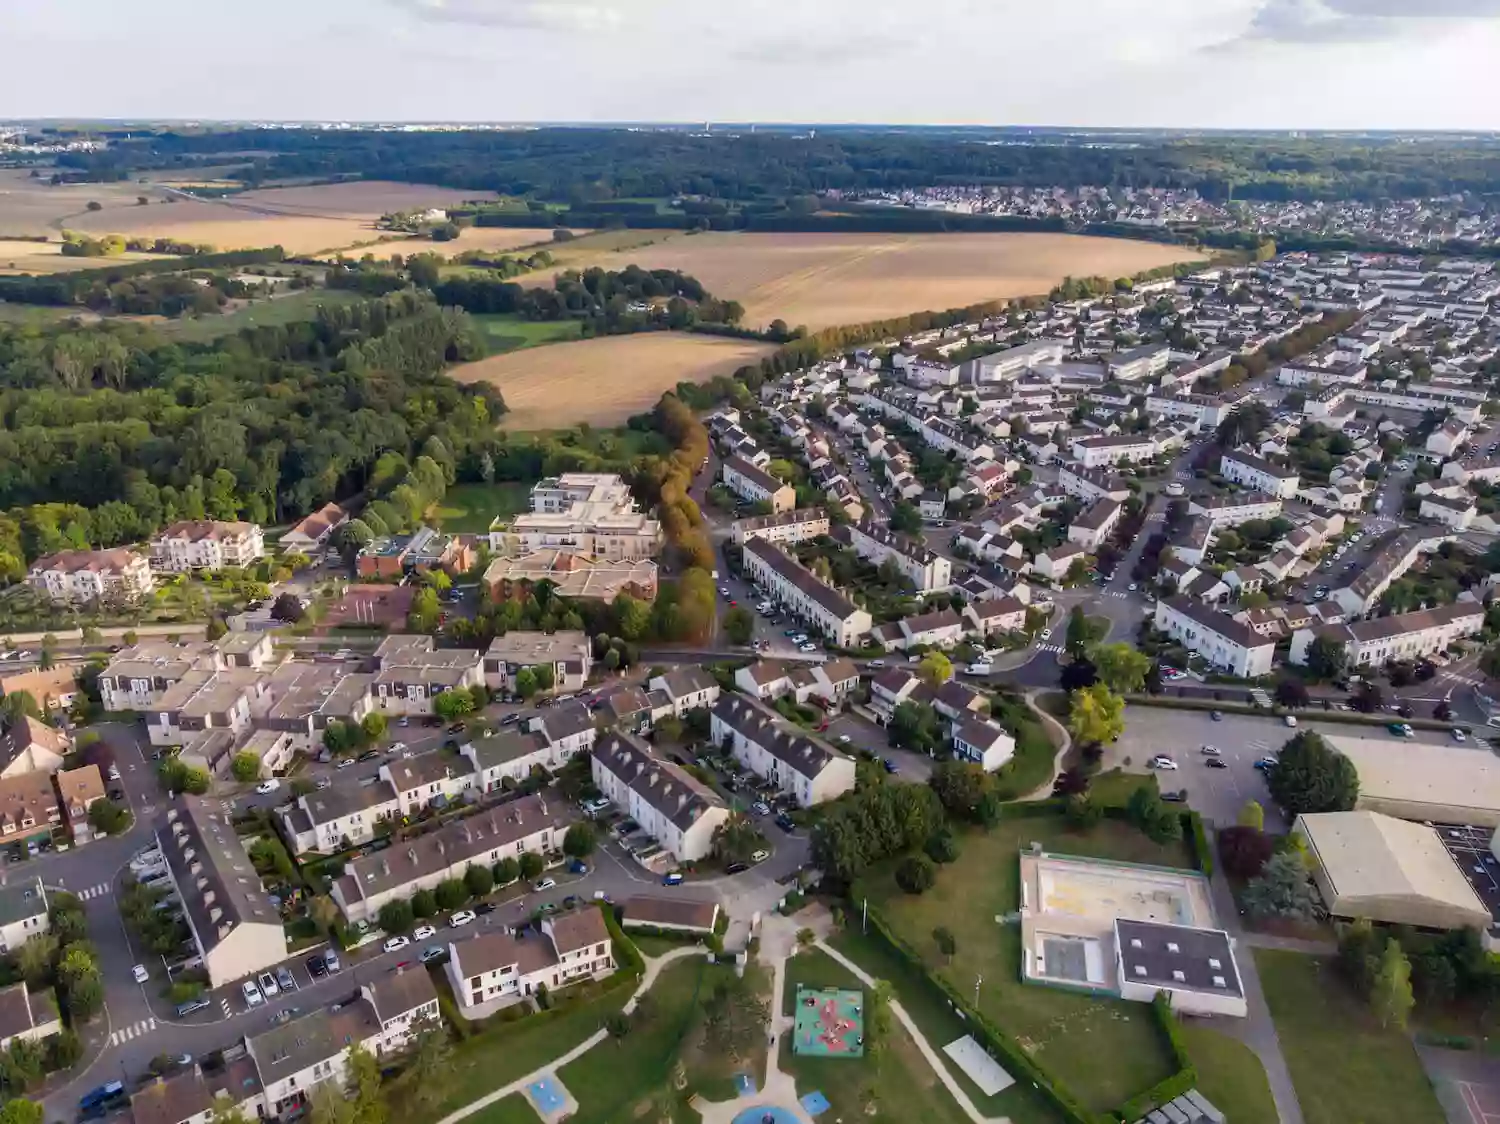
{"points": [[497, 968], [927, 571], [1232, 510], [787, 527], [1217, 637], [1405, 636], [1096, 524], [206, 544], [757, 486], [687, 688], [23, 913], [1258, 474], [676, 809], [80, 576], [1095, 452], [983, 742], [795, 588], [801, 766]]}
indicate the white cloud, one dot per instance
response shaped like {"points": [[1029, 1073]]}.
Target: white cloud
{"points": [[550, 15]]}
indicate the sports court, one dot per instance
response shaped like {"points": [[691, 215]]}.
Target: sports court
{"points": [[1481, 1101], [551, 1099], [829, 1023]]}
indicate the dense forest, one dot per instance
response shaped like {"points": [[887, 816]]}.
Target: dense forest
{"points": [[111, 431], [585, 167]]}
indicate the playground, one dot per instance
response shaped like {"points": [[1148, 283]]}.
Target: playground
{"points": [[829, 1023]]}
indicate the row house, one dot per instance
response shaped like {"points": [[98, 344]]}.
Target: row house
{"points": [[525, 825], [496, 969], [1220, 639], [338, 818], [993, 616], [925, 570], [941, 629], [206, 544], [1054, 564], [949, 437], [412, 671], [831, 681], [687, 688], [313, 533], [1095, 452], [1201, 411], [757, 486], [431, 780], [1094, 525], [1089, 484], [1232, 510], [1258, 474], [568, 653], [673, 807], [791, 585], [1454, 511], [1405, 636], [1361, 595], [809, 770]]}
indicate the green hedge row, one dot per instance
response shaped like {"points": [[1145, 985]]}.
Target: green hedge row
{"points": [[1169, 1088], [1203, 854]]}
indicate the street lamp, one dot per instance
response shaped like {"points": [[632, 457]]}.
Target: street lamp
{"points": [[977, 981]]}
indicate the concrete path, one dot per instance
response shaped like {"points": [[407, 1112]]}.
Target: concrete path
{"points": [[932, 1055], [1042, 792], [654, 965]]}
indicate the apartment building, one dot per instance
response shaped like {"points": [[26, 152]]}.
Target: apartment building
{"points": [[586, 513], [686, 688], [191, 1096], [1096, 524], [1455, 512], [674, 808], [293, 1058], [787, 527], [572, 575], [23, 913], [509, 830], [337, 818], [405, 1002], [1202, 411], [1004, 366], [801, 766], [496, 969], [1399, 555], [206, 544], [925, 570], [1259, 474], [430, 780], [236, 928], [412, 671], [76, 577], [1091, 484], [1138, 363], [950, 437], [1128, 448], [795, 588], [1217, 637], [1445, 440], [568, 653], [1232, 510], [1405, 636], [756, 485]]}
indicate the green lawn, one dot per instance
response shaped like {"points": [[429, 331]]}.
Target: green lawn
{"points": [[1105, 1050], [1230, 1075], [514, 1109], [471, 508], [657, 946], [902, 1085], [1344, 1065], [287, 309], [1031, 767], [505, 332]]}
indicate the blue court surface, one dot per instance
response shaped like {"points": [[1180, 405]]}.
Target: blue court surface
{"points": [[815, 1104], [765, 1114], [546, 1095], [744, 1085]]}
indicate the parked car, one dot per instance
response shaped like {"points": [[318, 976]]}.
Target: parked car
{"points": [[672, 879], [331, 961], [578, 866], [759, 856], [1265, 763], [344, 762], [462, 917], [140, 973], [1175, 796], [396, 944], [433, 952], [786, 823], [284, 978], [891, 766], [423, 932], [1216, 763], [484, 907], [252, 993], [192, 1006], [545, 884], [1161, 761], [316, 968], [269, 985], [736, 868], [266, 786]]}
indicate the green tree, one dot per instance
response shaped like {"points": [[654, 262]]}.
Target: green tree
{"points": [[1283, 890], [946, 943], [329, 1105], [1311, 776], [935, 669], [1291, 692], [373, 726], [478, 881], [915, 874], [1326, 658], [1096, 715], [632, 616], [1120, 667], [525, 683], [739, 625], [1077, 639], [1252, 815], [245, 766], [424, 1083], [423, 905], [531, 865], [34, 960], [364, 1079], [451, 893], [450, 706], [287, 608], [506, 871], [1390, 991], [18, 704], [19, 1111], [396, 916], [108, 818], [580, 840], [906, 519]]}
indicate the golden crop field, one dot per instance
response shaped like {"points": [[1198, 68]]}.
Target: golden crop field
{"points": [[303, 219], [47, 257], [821, 280], [603, 381], [491, 238]]}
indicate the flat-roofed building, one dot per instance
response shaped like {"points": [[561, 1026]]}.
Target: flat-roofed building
{"points": [[1377, 867], [234, 925], [673, 807], [206, 544], [587, 513], [1424, 781], [799, 765], [572, 575], [800, 592], [1195, 968]]}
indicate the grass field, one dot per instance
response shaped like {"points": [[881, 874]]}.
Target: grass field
{"points": [[1105, 1050], [503, 332], [471, 508], [47, 257], [603, 381], [1230, 1075], [262, 313], [901, 1086], [1344, 1066], [514, 1109], [494, 238], [826, 279]]}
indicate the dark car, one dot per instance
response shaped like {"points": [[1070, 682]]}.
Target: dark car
{"points": [[786, 823], [368, 755], [1216, 763], [484, 907], [736, 868], [512, 719], [1179, 796], [189, 1007], [316, 968]]}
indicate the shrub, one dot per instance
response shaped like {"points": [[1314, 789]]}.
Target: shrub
{"points": [[479, 880], [942, 847], [915, 874], [395, 916]]}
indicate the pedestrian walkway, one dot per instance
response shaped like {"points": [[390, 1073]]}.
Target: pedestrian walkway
{"points": [[1049, 647], [98, 891], [134, 1030]]}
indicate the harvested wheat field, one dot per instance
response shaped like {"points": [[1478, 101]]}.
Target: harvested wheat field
{"points": [[603, 381], [47, 257], [821, 280], [490, 238]]}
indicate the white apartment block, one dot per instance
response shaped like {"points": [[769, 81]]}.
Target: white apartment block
{"points": [[1363, 593], [1446, 438], [1202, 411], [1096, 524], [588, 513], [23, 913], [757, 485], [338, 818], [1453, 512], [1091, 484], [1138, 363], [1006, 365], [1129, 448], [81, 576], [499, 968], [1259, 475], [1405, 636], [928, 572], [687, 688], [795, 588], [800, 766], [787, 527], [950, 437], [674, 808], [1217, 637], [206, 544], [1232, 510]]}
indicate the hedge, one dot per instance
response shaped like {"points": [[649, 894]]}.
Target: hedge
{"points": [[1171, 1087], [1203, 854], [626, 954], [996, 1041]]}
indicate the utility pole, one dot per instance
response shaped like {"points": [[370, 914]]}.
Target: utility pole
{"points": [[977, 981], [864, 914]]}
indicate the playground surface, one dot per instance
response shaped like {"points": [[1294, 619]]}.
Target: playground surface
{"points": [[829, 1023], [551, 1100]]}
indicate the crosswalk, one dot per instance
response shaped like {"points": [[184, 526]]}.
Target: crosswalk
{"points": [[100, 891], [224, 1006], [1115, 593], [134, 1030], [1049, 647]]}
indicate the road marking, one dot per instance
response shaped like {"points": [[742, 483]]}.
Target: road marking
{"points": [[134, 1030], [224, 1006], [93, 892], [1049, 647]]}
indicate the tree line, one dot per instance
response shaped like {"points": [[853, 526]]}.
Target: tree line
{"points": [[93, 288]]}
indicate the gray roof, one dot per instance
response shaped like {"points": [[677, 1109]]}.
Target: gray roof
{"points": [[566, 720], [801, 753], [1222, 623], [801, 577], [1100, 512], [684, 681], [207, 858], [22, 899], [343, 800], [320, 1035], [1156, 954], [1379, 628], [668, 788], [505, 747], [1384, 562], [1259, 464], [757, 476], [394, 994]]}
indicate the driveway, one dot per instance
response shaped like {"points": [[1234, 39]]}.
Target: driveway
{"points": [[864, 734]]}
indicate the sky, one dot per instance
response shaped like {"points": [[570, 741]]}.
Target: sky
{"points": [[1282, 64]]}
